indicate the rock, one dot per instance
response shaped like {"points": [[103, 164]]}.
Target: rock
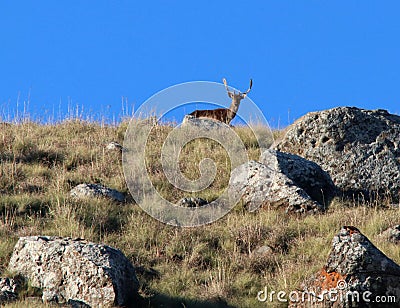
{"points": [[8, 284], [191, 202], [355, 274], [77, 304], [96, 190], [8, 290], [252, 181], [304, 173], [392, 234], [114, 146], [360, 149], [282, 180], [263, 251], [75, 270], [7, 296], [191, 121]]}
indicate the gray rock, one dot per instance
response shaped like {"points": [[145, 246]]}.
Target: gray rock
{"points": [[282, 180], [252, 181], [8, 284], [304, 173], [75, 270], [360, 149], [192, 202], [392, 234], [263, 251], [96, 190], [114, 146], [8, 290], [354, 268], [191, 121]]}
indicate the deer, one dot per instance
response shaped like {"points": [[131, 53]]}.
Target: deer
{"points": [[225, 115]]}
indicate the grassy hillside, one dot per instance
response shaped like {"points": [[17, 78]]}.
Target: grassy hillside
{"points": [[184, 267]]}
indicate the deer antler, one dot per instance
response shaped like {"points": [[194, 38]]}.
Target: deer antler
{"points": [[227, 89], [225, 83], [251, 84]]}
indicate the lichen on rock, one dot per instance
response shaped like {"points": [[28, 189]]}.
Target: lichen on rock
{"points": [[359, 148], [73, 269]]}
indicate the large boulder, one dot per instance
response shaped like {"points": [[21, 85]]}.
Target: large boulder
{"points": [[360, 149], [282, 180], [357, 274], [73, 270], [304, 173]]}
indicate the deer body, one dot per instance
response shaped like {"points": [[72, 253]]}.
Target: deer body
{"points": [[224, 115]]}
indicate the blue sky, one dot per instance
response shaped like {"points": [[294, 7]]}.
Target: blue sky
{"points": [[302, 55]]}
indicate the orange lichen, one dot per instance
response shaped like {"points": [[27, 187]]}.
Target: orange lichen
{"points": [[351, 230], [330, 280]]}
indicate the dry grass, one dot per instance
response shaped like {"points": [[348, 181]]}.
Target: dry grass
{"points": [[208, 266]]}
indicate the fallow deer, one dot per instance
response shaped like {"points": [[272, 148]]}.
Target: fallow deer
{"points": [[224, 115]]}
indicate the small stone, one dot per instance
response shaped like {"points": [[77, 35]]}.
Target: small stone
{"points": [[114, 146], [8, 284], [263, 251], [96, 190], [204, 123], [392, 234], [8, 290], [192, 202]]}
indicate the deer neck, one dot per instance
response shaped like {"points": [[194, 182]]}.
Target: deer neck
{"points": [[233, 110], [235, 105]]}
